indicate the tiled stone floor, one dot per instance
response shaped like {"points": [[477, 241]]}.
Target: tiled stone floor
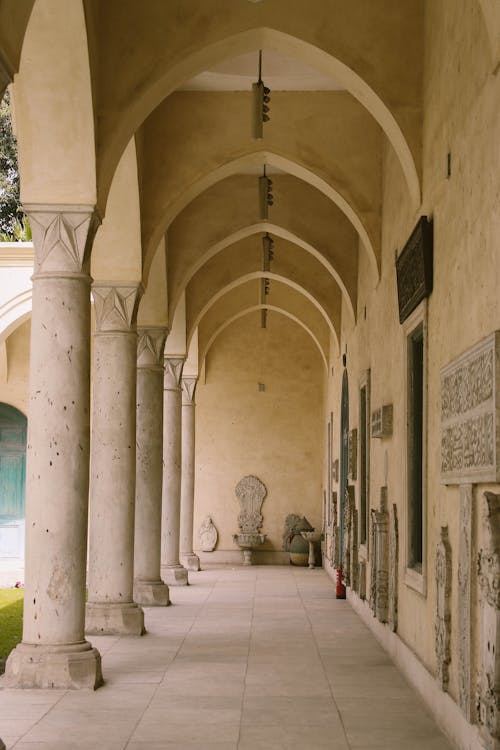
{"points": [[259, 658]]}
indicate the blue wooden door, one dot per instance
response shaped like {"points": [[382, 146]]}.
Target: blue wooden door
{"points": [[12, 481]]}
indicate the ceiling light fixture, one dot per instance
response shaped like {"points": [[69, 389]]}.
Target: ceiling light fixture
{"points": [[267, 252], [265, 195], [261, 100]]}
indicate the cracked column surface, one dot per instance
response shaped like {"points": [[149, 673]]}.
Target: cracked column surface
{"points": [[54, 652], [110, 607], [172, 571], [187, 556], [149, 589]]}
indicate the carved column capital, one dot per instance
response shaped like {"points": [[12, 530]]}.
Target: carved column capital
{"points": [[188, 385], [150, 346], [62, 236], [116, 304], [173, 372]]}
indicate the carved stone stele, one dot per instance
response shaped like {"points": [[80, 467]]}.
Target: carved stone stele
{"points": [[362, 579], [373, 566], [489, 583], [352, 454], [353, 538], [464, 603], [393, 570], [380, 551], [346, 561], [442, 626], [470, 415], [250, 492], [208, 535]]}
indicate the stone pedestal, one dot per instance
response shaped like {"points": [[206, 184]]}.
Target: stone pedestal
{"points": [[172, 572], [110, 607], [54, 652], [187, 556], [149, 589]]}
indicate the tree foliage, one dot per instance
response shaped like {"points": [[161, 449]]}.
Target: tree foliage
{"points": [[11, 213]]}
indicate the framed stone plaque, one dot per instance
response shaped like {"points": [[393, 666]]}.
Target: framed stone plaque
{"points": [[414, 268], [470, 415]]}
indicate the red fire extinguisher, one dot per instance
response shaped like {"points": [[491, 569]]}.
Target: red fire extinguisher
{"points": [[340, 588]]}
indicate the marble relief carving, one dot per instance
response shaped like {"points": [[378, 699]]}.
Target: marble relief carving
{"points": [[352, 454], [250, 492], [393, 568], [470, 415], [346, 562], [442, 626], [464, 608], [379, 591], [354, 542], [373, 567], [488, 696], [208, 535]]}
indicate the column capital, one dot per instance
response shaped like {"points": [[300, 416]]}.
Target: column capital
{"points": [[188, 385], [62, 236], [173, 371], [150, 346], [116, 304]]}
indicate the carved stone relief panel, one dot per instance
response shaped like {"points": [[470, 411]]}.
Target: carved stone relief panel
{"points": [[335, 551], [352, 454], [353, 540], [250, 492], [470, 415], [382, 422], [489, 583], [346, 562], [464, 603], [442, 628], [394, 561], [380, 593], [373, 565], [362, 579]]}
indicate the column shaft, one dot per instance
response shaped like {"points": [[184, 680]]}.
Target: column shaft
{"points": [[187, 556], [54, 652], [172, 571], [110, 607], [149, 589]]}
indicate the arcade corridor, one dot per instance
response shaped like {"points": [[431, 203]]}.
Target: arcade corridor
{"points": [[260, 658]]}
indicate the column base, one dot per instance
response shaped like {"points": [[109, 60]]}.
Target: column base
{"points": [[114, 618], [2, 746], [191, 562], [69, 666], [174, 575], [151, 593]]}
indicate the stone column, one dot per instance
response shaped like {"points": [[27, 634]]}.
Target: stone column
{"points": [[54, 652], [149, 589], [172, 571], [188, 558], [110, 607]]}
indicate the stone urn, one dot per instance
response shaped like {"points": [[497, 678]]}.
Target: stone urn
{"points": [[250, 492], [295, 544]]}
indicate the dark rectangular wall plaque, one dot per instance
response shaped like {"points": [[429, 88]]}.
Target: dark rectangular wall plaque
{"points": [[414, 268]]}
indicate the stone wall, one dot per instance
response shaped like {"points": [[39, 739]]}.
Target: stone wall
{"points": [[273, 434]]}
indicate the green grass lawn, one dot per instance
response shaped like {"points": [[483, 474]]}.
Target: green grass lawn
{"points": [[11, 619]]}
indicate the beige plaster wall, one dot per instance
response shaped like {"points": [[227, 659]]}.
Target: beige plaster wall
{"points": [[461, 116], [14, 390], [275, 435]]}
